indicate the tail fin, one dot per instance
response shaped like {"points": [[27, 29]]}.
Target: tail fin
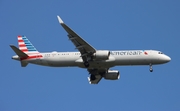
{"points": [[25, 45]]}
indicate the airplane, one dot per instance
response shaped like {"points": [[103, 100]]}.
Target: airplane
{"points": [[97, 62]]}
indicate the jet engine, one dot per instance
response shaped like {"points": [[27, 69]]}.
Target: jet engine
{"points": [[112, 75], [101, 55]]}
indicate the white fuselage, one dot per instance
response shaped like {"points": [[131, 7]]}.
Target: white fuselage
{"points": [[123, 57]]}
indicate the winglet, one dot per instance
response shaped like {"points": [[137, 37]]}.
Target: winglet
{"points": [[59, 19]]}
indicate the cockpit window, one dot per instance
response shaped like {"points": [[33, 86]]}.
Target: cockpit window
{"points": [[160, 53]]}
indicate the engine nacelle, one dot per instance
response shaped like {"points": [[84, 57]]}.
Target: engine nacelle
{"points": [[112, 75], [101, 55]]}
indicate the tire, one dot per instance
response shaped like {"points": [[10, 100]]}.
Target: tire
{"points": [[86, 64], [151, 70]]}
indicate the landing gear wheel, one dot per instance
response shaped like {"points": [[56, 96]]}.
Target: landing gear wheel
{"points": [[92, 77], [151, 69], [86, 64]]}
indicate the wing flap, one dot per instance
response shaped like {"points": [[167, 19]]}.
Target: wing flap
{"points": [[96, 81], [98, 73]]}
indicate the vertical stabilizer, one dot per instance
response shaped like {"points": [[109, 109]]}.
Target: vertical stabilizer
{"points": [[25, 45]]}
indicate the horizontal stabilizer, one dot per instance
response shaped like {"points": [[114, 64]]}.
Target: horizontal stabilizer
{"points": [[18, 52]]}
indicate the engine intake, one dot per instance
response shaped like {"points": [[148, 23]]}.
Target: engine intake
{"points": [[101, 55], [112, 75]]}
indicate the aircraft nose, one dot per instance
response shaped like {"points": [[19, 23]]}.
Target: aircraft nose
{"points": [[167, 58]]}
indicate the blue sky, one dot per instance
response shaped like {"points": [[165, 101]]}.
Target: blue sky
{"points": [[105, 24]]}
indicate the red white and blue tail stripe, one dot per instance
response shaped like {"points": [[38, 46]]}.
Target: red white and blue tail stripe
{"points": [[26, 46]]}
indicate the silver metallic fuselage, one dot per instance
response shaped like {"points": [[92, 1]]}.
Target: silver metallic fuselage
{"points": [[117, 58]]}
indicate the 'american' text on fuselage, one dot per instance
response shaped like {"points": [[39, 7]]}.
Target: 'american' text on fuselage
{"points": [[126, 52]]}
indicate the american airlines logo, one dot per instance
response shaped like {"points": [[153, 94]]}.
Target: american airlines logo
{"points": [[126, 52]]}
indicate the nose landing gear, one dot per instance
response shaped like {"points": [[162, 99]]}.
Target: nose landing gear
{"points": [[151, 68]]}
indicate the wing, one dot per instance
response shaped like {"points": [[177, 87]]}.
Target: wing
{"points": [[96, 75], [96, 81], [85, 49]]}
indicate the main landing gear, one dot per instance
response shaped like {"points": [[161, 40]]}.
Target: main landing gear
{"points": [[151, 68], [86, 64]]}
